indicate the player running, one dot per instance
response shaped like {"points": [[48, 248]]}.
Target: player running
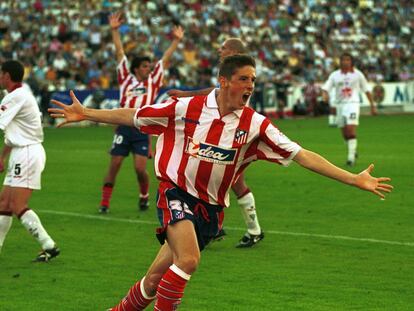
{"points": [[200, 152]]}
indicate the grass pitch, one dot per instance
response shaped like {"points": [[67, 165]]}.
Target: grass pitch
{"points": [[327, 246]]}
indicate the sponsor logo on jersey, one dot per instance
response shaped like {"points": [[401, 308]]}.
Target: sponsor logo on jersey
{"points": [[187, 120], [211, 153], [137, 91], [241, 136]]}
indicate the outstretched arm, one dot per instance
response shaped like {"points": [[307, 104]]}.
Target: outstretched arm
{"points": [[178, 34], [76, 113], [180, 93], [363, 180], [115, 21]]}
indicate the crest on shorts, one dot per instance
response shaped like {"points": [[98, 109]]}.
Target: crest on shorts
{"points": [[241, 136]]}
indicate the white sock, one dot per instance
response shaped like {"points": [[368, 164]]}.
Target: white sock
{"points": [[32, 223], [5, 224], [248, 210], [332, 120], [352, 147]]}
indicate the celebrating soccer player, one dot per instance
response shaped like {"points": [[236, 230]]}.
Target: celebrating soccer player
{"points": [[204, 143], [139, 86]]}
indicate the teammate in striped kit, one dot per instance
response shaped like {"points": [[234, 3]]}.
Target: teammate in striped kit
{"points": [[20, 119], [204, 144], [245, 197], [346, 84], [139, 86]]}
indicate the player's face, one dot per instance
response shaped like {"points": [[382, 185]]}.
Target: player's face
{"points": [[346, 63], [143, 71], [225, 51], [239, 88]]}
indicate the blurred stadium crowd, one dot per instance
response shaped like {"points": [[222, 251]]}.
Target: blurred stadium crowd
{"points": [[67, 44]]}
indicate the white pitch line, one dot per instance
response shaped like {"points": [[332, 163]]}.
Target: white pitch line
{"points": [[314, 235]]}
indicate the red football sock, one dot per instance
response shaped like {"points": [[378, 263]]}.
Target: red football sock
{"points": [[106, 194], [135, 300], [171, 289]]}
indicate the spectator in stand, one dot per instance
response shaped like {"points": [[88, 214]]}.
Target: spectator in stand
{"points": [[381, 34], [311, 93]]}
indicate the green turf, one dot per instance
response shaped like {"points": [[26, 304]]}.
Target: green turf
{"points": [[103, 255]]}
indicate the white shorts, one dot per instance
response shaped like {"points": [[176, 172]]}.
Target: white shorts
{"points": [[347, 114], [25, 167]]}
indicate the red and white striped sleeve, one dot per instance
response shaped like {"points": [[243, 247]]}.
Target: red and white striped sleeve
{"points": [[274, 146], [123, 70], [157, 74], [155, 119]]}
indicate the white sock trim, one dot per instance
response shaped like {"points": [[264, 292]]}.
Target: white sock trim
{"points": [[248, 198], [143, 292], [180, 272]]}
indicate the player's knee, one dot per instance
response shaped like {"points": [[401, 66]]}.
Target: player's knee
{"points": [[17, 207], [141, 172], [4, 204], [188, 263], [350, 136]]}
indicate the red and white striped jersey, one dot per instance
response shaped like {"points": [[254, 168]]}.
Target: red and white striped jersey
{"points": [[136, 94], [204, 153]]}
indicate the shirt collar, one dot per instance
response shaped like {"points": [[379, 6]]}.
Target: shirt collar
{"points": [[211, 103], [16, 86]]}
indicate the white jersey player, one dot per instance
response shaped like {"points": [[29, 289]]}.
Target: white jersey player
{"points": [[20, 119], [345, 85]]}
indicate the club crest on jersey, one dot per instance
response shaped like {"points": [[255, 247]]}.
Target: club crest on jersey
{"points": [[210, 153], [241, 136], [136, 91]]}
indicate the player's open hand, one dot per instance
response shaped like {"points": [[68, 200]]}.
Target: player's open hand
{"points": [[178, 32], [71, 113], [116, 20], [365, 181]]}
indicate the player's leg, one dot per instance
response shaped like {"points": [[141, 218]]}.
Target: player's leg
{"points": [[247, 205], [109, 182], [19, 199], [332, 116], [169, 273], [183, 243], [119, 150], [6, 215], [140, 149], [351, 119], [349, 134], [140, 163], [23, 176], [142, 293]]}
